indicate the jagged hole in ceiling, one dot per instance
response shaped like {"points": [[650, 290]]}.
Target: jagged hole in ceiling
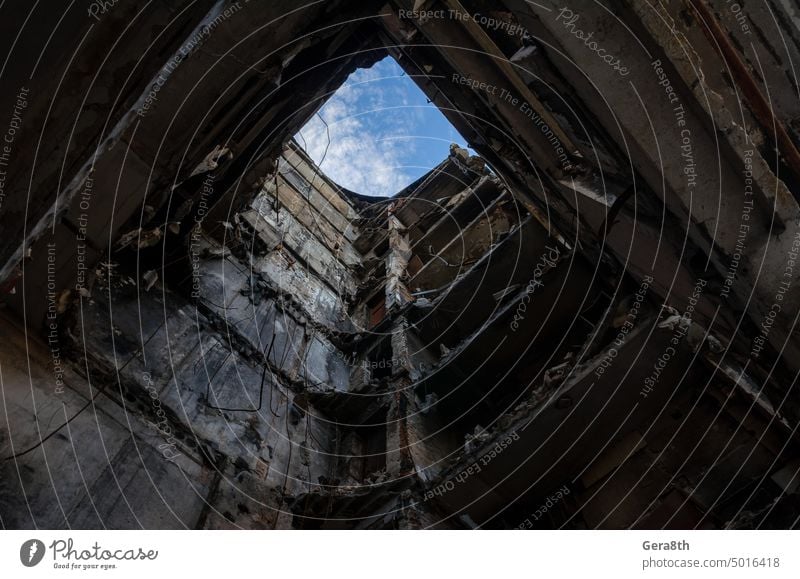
{"points": [[378, 132], [202, 329]]}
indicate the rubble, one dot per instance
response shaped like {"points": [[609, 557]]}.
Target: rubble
{"points": [[588, 323]]}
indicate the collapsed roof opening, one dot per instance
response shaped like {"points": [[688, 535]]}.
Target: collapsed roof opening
{"points": [[378, 132], [311, 359]]}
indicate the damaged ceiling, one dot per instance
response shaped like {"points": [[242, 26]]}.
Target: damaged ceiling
{"points": [[590, 323]]}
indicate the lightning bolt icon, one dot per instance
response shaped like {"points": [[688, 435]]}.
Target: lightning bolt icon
{"points": [[34, 549]]}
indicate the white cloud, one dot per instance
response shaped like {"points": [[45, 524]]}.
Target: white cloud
{"points": [[369, 132]]}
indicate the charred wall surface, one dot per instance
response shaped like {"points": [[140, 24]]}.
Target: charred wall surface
{"points": [[590, 323]]}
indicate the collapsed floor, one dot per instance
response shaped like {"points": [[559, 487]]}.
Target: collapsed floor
{"points": [[204, 331]]}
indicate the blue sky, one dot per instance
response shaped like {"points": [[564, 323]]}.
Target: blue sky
{"points": [[384, 134]]}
